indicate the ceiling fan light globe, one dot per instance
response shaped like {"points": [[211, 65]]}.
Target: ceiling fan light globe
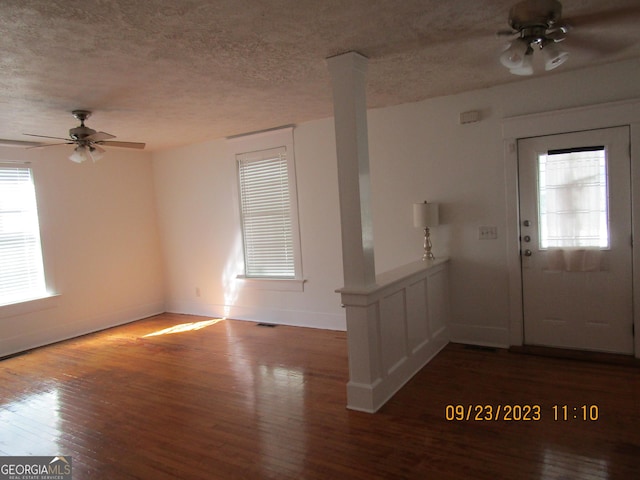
{"points": [[96, 153], [526, 68], [553, 56], [514, 55], [80, 154]]}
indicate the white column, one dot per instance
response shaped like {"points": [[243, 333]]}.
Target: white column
{"points": [[350, 111]]}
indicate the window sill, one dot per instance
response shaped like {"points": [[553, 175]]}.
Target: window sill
{"points": [[29, 306], [274, 284]]}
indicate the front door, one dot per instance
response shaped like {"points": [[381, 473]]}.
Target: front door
{"points": [[575, 233]]}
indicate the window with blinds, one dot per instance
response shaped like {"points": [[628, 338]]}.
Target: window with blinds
{"points": [[267, 211], [21, 266]]}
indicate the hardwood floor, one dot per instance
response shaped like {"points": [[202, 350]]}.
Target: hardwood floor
{"points": [[232, 400]]}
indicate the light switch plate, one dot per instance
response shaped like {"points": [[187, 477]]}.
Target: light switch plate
{"points": [[487, 233]]}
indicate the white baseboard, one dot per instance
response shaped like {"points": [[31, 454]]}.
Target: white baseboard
{"points": [[479, 335], [296, 318], [52, 331]]}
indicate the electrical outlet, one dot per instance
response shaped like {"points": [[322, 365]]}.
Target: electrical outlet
{"points": [[487, 233]]}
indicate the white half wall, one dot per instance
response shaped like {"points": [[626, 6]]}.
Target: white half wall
{"points": [[101, 245]]}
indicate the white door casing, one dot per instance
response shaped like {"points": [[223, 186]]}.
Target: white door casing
{"points": [[589, 117], [575, 296]]}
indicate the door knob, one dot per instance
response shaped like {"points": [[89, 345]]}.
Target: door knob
{"points": [[528, 253], [527, 238]]}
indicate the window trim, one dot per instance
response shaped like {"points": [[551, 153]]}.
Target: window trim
{"points": [[267, 140]]}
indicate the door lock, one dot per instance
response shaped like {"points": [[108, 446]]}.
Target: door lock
{"points": [[527, 238], [526, 223], [528, 253]]}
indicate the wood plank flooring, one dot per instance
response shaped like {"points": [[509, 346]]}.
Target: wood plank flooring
{"points": [[231, 400]]}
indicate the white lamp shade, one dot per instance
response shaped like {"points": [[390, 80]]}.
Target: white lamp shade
{"points": [[96, 153], [80, 154], [526, 68], [514, 55], [554, 56], [425, 215]]}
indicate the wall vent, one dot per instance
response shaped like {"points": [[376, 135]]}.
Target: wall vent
{"points": [[471, 116]]}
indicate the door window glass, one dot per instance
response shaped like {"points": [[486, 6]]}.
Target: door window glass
{"points": [[573, 198]]}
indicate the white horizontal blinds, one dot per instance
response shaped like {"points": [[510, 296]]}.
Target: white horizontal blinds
{"points": [[573, 196], [21, 268], [265, 202]]}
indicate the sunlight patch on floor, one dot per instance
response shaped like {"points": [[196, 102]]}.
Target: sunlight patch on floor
{"points": [[185, 327], [38, 411], [558, 463]]}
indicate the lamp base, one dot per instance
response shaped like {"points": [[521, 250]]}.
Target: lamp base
{"points": [[428, 255]]}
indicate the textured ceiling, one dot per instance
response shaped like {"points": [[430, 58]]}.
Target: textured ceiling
{"points": [[175, 72]]}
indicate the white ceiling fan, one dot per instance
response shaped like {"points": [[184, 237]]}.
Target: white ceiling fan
{"points": [[539, 25], [88, 141], [535, 24]]}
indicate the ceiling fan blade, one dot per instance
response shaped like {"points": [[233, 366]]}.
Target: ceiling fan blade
{"points": [[123, 144], [623, 14], [5, 142], [600, 47], [99, 137], [49, 145], [45, 136]]}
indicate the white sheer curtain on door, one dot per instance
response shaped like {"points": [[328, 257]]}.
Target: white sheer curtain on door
{"points": [[573, 208]]}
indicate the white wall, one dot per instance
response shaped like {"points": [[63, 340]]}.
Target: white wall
{"points": [[199, 220], [99, 226], [418, 152]]}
